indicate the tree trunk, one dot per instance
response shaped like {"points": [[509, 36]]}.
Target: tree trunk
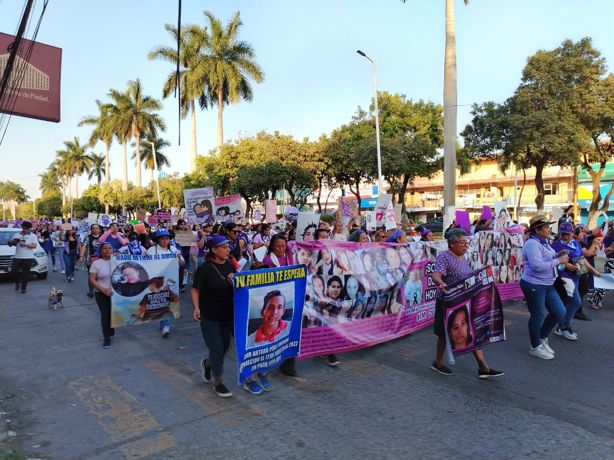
{"points": [[107, 163], [193, 149], [220, 119], [76, 186], [125, 166], [356, 193], [137, 136], [449, 119], [524, 181], [402, 195], [319, 195], [539, 185]]}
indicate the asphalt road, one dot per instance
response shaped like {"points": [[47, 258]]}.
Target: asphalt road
{"points": [[65, 397]]}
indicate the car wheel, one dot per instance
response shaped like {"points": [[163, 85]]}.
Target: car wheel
{"points": [[42, 276]]}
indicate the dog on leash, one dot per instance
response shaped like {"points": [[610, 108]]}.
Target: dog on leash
{"points": [[56, 299]]}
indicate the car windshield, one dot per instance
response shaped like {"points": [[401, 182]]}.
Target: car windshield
{"points": [[5, 237]]}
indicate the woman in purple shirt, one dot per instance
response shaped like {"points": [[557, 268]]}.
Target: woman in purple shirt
{"points": [[452, 266], [537, 284]]}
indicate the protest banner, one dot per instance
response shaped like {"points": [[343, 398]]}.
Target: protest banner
{"points": [[348, 206], [370, 221], [270, 211], [104, 220], [473, 313], [268, 306], [144, 288], [66, 226], [502, 216], [381, 208], [92, 218], [257, 215], [162, 215], [185, 237], [229, 208], [306, 226], [604, 281], [199, 205]]}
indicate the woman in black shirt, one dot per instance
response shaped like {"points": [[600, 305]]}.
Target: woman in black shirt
{"points": [[212, 299]]}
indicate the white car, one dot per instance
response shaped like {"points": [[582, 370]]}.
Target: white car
{"points": [[7, 252]]}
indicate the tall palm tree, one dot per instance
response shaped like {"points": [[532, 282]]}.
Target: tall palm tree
{"points": [[147, 154], [97, 167], [230, 65], [120, 125], [64, 168], [103, 131], [50, 182], [192, 59], [79, 161], [137, 112]]}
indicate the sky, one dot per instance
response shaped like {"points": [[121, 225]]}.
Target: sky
{"points": [[314, 80]]}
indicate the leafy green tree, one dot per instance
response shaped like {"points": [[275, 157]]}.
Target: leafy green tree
{"points": [[209, 172], [49, 182], [229, 67], [49, 205], [192, 59], [171, 192]]}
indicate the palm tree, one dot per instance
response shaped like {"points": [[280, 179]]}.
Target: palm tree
{"points": [[64, 168], [103, 131], [147, 153], [97, 167], [136, 111], [121, 127], [50, 183], [230, 64], [192, 59], [79, 161]]}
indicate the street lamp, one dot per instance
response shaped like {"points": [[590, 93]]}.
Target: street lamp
{"points": [[379, 152], [155, 161]]}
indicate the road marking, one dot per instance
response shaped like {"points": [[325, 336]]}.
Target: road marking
{"points": [[120, 417], [229, 411]]}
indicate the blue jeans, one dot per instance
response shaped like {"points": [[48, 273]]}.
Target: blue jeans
{"points": [[217, 336], [60, 252], [539, 299], [70, 260], [572, 304], [164, 322]]}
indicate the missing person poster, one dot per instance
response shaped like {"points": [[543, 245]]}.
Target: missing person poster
{"points": [[145, 288], [268, 315], [473, 313]]}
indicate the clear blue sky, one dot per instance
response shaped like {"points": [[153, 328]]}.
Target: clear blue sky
{"points": [[314, 78]]}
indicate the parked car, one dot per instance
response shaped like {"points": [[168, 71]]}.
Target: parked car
{"points": [[39, 268], [435, 225]]}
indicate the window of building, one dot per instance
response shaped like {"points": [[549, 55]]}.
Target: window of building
{"points": [[551, 189]]}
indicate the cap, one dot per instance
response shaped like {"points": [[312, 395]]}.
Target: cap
{"points": [[566, 228], [216, 240], [162, 232]]}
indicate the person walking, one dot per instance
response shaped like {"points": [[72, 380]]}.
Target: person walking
{"points": [[213, 301], [45, 237], [100, 278], [451, 266], [72, 247], [537, 284], [88, 253], [25, 243]]}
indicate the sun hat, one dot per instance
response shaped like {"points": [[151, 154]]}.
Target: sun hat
{"points": [[538, 221], [216, 240]]}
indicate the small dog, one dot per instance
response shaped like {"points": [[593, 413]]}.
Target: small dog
{"points": [[55, 299]]}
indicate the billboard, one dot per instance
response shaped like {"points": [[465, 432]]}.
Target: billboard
{"points": [[34, 86]]}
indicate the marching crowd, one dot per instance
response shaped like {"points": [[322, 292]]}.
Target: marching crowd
{"points": [[558, 274]]}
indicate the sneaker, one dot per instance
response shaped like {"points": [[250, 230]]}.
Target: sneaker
{"points": [[90, 294], [540, 352], [69, 279], [106, 343], [332, 360], [222, 391], [489, 374], [558, 331], [23, 290], [166, 331], [264, 382], [55, 269], [63, 271], [547, 346], [182, 289], [253, 387], [443, 370], [205, 371], [569, 334], [581, 316]]}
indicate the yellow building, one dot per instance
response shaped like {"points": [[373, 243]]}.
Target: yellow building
{"points": [[485, 183]]}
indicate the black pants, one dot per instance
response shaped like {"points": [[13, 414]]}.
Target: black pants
{"points": [[21, 271], [104, 305], [217, 335]]}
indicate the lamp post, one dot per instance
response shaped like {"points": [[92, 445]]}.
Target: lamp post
{"points": [[155, 161], [379, 152]]}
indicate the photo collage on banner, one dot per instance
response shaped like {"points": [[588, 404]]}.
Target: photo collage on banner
{"points": [[473, 313], [229, 208], [502, 250], [199, 205], [145, 288], [268, 311]]}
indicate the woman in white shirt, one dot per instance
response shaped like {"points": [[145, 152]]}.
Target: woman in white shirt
{"points": [[100, 278]]}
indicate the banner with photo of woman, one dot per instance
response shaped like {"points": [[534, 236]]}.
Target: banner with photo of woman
{"points": [[268, 311], [145, 288], [199, 205], [473, 313]]}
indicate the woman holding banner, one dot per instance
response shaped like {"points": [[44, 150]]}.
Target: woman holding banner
{"points": [[100, 279], [451, 266], [213, 301], [537, 284]]}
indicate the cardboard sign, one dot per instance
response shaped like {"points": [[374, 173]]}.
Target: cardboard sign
{"points": [[66, 226], [271, 211], [140, 228], [92, 218], [185, 237]]}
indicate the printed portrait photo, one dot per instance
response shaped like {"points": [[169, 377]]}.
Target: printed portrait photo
{"points": [[270, 314]]}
